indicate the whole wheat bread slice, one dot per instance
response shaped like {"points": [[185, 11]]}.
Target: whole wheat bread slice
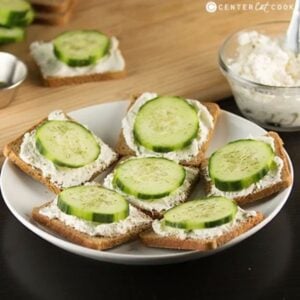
{"points": [[83, 239], [54, 6], [53, 81], [54, 18], [151, 239], [123, 149], [258, 194], [12, 152]]}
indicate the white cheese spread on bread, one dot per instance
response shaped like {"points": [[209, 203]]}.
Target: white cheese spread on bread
{"points": [[135, 219], [271, 178], [44, 56], [161, 229], [161, 204], [62, 176], [206, 124]]}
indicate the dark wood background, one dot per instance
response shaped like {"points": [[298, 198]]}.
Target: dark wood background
{"points": [[265, 266]]}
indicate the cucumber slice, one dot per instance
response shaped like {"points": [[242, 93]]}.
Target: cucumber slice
{"points": [[240, 163], [93, 203], [166, 124], [27, 19], [66, 143], [149, 178], [13, 11], [80, 48], [201, 213], [10, 35]]}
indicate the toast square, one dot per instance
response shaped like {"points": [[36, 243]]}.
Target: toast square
{"points": [[12, 152], [44, 15], [124, 150], [151, 239], [55, 73], [83, 239], [258, 194], [154, 213], [53, 81]]}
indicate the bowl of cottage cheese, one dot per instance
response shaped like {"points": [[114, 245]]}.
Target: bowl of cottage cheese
{"points": [[264, 75]]}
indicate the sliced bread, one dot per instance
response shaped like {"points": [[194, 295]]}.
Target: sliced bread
{"points": [[124, 150], [12, 152], [54, 6], [83, 239], [159, 207], [258, 193], [152, 239]]}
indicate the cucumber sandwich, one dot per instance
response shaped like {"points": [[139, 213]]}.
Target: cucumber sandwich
{"points": [[78, 56], [92, 216], [153, 184], [14, 16], [167, 126], [60, 152], [200, 224], [248, 169]]}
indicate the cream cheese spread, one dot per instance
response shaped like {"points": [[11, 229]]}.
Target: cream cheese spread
{"points": [[44, 56], [265, 60], [272, 177], [162, 204], [62, 176], [206, 124], [206, 233], [135, 219]]}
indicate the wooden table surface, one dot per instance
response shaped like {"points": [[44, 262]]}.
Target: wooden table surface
{"points": [[170, 46], [265, 266]]}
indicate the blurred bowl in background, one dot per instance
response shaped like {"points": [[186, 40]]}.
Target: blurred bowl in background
{"points": [[12, 73]]}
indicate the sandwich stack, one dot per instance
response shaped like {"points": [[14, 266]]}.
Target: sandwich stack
{"points": [[53, 12]]}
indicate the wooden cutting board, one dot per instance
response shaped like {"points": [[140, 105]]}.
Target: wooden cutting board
{"points": [[170, 46]]}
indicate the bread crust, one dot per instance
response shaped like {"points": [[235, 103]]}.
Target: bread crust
{"points": [[55, 81], [123, 149], [83, 239], [151, 239], [12, 152], [258, 194], [57, 6]]}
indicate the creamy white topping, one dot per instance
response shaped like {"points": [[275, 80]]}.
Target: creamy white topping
{"points": [[135, 219], [264, 59], [272, 177], [44, 56], [206, 123], [62, 176], [206, 233], [162, 204]]}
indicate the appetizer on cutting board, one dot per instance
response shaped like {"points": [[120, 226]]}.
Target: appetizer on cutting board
{"points": [[152, 184], [168, 126], [92, 216], [201, 224], [247, 170], [60, 152], [78, 56], [15, 15]]}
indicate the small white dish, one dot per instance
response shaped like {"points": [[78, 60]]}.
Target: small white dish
{"points": [[21, 193]]}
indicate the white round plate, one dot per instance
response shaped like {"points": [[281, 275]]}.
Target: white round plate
{"points": [[21, 193]]}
